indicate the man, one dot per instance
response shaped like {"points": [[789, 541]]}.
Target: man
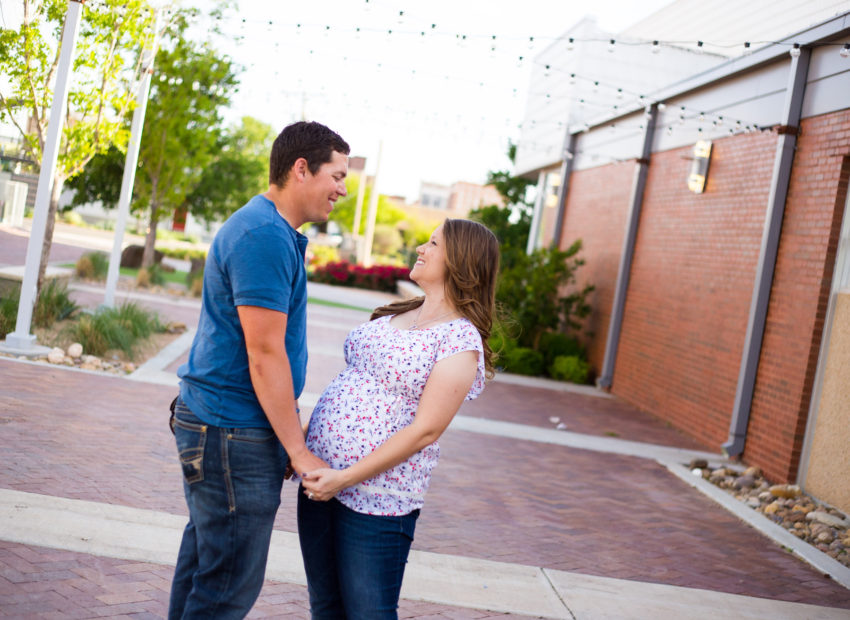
{"points": [[236, 423]]}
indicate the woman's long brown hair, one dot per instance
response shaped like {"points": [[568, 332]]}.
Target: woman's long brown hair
{"points": [[472, 264]]}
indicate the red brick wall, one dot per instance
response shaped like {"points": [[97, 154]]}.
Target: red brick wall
{"points": [[597, 208], [802, 280], [691, 284], [692, 281]]}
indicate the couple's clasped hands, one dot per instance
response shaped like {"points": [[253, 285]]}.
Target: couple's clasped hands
{"points": [[323, 484]]}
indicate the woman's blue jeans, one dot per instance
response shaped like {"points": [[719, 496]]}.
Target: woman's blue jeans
{"points": [[232, 479], [354, 562]]}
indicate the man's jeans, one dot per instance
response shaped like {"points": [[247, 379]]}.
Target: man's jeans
{"points": [[354, 562], [232, 479]]}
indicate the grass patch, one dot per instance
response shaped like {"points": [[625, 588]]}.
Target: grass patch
{"points": [[177, 277], [334, 304]]}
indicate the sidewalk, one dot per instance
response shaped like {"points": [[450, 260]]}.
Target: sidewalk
{"points": [[521, 521]]}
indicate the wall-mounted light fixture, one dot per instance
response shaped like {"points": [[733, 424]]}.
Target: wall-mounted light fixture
{"points": [[699, 166]]}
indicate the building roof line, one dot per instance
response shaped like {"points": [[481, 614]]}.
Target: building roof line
{"points": [[824, 32]]}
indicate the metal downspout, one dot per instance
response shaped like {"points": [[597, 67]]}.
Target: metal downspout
{"points": [[785, 148], [566, 172], [606, 377]]}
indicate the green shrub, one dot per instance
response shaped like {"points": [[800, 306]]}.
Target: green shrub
{"points": [[524, 361], [54, 304], [192, 276], [121, 328], [322, 255], [556, 344], [151, 276], [501, 343], [570, 368], [8, 313], [93, 265]]}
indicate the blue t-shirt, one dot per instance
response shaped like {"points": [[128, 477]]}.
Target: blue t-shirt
{"points": [[256, 259]]}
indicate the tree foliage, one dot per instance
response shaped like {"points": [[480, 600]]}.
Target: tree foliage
{"points": [[532, 288], [239, 171], [183, 127], [343, 212], [106, 69]]}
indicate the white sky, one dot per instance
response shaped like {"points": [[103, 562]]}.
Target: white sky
{"points": [[443, 110]]}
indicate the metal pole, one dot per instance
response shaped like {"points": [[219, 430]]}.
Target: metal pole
{"points": [[21, 341], [566, 173], [372, 213], [784, 159], [130, 166], [537, 214], [606, 377], [358, 205]]}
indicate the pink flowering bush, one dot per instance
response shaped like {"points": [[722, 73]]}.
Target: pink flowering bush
{"points": [[376, 277]]}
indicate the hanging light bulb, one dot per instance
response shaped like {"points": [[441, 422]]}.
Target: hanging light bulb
{"points": [[570, 44], [519, 62], [656, 47], [547, 71], [572, 78], [611, 45], [795, 51], [845, 51], [530, 43], [619, 93]]}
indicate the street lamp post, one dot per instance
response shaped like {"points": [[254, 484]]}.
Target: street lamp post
{"points": [[21, 342]]}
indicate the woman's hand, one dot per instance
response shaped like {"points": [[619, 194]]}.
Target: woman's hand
{"points": [[322, 484]]}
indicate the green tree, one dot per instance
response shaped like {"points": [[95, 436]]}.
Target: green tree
{"points": [[106, 69], [531, 290], [343, 212], [100, 180], [239, 171], [183, 125]]}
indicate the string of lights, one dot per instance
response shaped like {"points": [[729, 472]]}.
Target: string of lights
{"points": [[323, 40]]}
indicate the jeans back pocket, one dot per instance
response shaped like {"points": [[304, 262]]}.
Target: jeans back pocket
{"points": [[191, 436]]}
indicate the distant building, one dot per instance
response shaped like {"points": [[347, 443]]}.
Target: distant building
{"points": [[457, 199]]}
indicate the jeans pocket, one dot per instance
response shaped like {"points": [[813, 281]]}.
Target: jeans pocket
{"points": [[191, 437], [251, 435]]}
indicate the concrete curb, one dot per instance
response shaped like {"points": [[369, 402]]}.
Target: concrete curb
{"points": [[150, 536], [819, 560]]}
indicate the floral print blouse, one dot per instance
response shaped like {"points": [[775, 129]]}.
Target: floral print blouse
{"points": [[375, 396]]}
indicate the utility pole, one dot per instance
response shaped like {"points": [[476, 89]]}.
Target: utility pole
{"points": [[130, 165], [21, 342], [366, 259]]}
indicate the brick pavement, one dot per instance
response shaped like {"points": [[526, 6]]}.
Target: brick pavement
{"points": [[104, 438], [13, 249], [52, 584]]}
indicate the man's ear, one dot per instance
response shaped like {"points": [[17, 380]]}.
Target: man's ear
{"points": [[300, 169]]}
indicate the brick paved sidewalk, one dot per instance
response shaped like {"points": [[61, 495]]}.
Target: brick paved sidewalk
{"points": [[46, 583], [104, 439]]}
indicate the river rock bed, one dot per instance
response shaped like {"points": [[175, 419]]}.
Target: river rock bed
{"points": [[814, 522]]}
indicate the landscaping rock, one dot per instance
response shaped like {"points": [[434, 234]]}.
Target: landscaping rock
{"points": [[56, 356], [828, 519], [131, 256]]}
